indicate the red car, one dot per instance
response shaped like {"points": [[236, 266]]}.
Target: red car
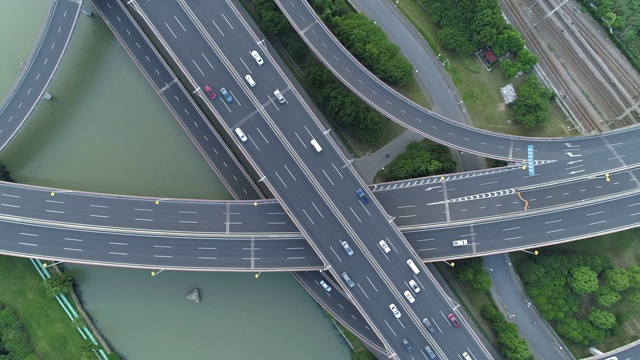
{"points": [[210, 91], [453, 320]]}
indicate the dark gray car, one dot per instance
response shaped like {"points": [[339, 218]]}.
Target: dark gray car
{"points": [[430, 352], [430, 327]]}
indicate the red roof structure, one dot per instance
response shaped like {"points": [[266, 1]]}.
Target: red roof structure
{"points": [[490, 56]]}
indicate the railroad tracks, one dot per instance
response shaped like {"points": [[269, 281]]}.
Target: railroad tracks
{"points": [[588, 78]]}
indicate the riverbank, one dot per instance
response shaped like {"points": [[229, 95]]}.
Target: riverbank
{"points": [[52, 334]]}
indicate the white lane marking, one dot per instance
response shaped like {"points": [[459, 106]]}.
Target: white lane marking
{"points": [[118, 243], [325, 174], [179, 23], [117, 253], [373, 286], [354, 213], [196, 64], [187, 222], [162, 256], [172, 33], [72, 249], [163, 246], [217, 27], [206, 248], [364, 292], [283, 183], [13, 196], [100, 206], [513, 238], [72, 239], [598, 222], [595, 213], [55, 211], [55, 201], [142, 209], [318, 210], [514, 228], [552, 231], [553, 221], [28, 234], [290, 173], [207, 60], [9, 205], [338, 171], [308, 217], [394, 333], [100, 216], [264, 137], [489, 183], [225, 18], [207, 258], [139, 219]]}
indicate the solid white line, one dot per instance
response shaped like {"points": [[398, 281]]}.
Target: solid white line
{"points": [[595, 213], [515, 228], [207, 258], [552, 221], [552, 231], [72, 239], [513, 238], [162, 256], [117, 243], [206, 248], [27, 244], [137, 219], [71, 249], [163, 246], [116, 253], [598, 222]]}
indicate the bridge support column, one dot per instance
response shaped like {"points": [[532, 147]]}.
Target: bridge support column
{"points": [[87, 11], [47, 96]]}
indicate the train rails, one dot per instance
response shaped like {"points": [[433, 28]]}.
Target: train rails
{"points": [[595, 86]]}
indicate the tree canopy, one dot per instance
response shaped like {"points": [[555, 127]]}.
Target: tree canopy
{"points": [[421, 158], [531, 108]]}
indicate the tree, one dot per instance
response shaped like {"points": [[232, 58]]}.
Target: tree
{"points": [[633, 295], [601, 318], [508, 40], [363, 355], [526, 60], [456, 39], [617, 279], [482, 281], [633, 272], [531, 108], [421, 158], [583, 280], [58, 283], [510, 68], [605, 296]]}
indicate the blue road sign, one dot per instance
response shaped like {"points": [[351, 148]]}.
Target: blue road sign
{"points": [[530, 160]]}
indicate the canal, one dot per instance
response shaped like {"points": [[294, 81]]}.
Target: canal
{"points": [[107, 131]]}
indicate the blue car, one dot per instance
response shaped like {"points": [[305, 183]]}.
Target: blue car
{"points": [[361, 195], [226, 95]]}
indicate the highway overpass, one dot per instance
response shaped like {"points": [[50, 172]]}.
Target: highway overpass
{"points": [[39, 70]]}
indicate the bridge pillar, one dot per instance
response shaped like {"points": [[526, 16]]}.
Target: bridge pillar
{"points": [[47, 96], [87, 11]]}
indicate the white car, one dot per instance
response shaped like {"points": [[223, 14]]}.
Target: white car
{"points": [[459, 242], [384, 246], [325, 285], [395, 311], [409, 297], [279, 96], [414, 286], [250, 81], [257, 57]]}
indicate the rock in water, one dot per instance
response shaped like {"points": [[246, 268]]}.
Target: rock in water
{"points": [[194, 296]]}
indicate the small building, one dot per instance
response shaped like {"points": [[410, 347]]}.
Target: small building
{"points": [[508, 94], [489, 56]]}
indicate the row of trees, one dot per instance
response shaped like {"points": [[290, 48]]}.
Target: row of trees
{"points": [[366, 41], [622, 16], [344, 108], [469, 25], [576, 293], [511, 345], [421, 158], [14, 340]]}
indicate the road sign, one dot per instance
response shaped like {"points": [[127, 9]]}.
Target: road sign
{"points": [[530, 160]]}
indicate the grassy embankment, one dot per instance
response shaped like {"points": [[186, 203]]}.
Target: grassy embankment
{"points": [[50, 330], [480, 89]]}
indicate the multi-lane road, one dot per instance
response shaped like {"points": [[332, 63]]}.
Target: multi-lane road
{"points": [[39, 70], [317, 194]]}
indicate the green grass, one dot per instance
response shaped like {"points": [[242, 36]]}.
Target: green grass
{"points": [[480, 89], [50, 330]]}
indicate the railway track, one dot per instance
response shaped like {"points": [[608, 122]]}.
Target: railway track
{"points": [[570, 94], [613, 101]]}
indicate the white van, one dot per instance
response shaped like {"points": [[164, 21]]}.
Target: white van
{"points": [[241, 134], [315, 145], [462, 242], [279, 96], [413, 266]]}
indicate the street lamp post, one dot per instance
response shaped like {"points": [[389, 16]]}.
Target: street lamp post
{"points": [[45, 265], [153, 273]]}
